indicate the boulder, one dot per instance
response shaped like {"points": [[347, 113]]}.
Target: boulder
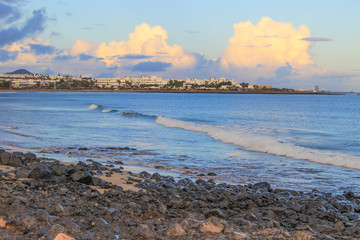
{"points": [[30, 157], [40, 172], [211, 226], [175, 230], [58, 169], [264, 186], [82, 176]]}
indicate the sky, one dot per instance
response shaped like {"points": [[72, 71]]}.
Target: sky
{"points": [[288, 44]]}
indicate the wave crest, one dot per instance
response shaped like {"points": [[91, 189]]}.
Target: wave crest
{"points": [[93, 106], [265, 144]]}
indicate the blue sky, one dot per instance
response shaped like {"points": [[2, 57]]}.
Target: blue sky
{"points": [[316, 42]]}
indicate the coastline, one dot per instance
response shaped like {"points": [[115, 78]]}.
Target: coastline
{"points": [[43, 198], [169, 91]]}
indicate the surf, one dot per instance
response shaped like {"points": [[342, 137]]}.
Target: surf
{"points": [[265, 144]]}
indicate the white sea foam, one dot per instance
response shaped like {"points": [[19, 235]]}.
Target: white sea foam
{"points": [[106, 110], [265, 144], [8, 127], [93, 106]]}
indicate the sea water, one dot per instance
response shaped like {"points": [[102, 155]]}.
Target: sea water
{"points": [[292, 141]]}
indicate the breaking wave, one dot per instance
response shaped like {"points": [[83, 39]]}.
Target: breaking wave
{"points": [[93, 106], [265, 144], [8, 127], [136, 115], [108, 110]]}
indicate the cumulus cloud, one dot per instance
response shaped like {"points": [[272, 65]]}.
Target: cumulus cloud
{"points": [[268, 43], [32, 26], [145, 43]]}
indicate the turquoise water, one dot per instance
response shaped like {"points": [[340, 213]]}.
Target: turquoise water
{"points": [[292, 141]]}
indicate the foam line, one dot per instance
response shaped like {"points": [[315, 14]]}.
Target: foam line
{"points": [[265, 144]]}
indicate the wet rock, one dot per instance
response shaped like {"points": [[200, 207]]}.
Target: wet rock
{"points": [[145, 175], [156, 176], [264, 186], [211, 174]]}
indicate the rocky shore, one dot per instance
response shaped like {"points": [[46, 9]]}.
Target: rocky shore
{"points": [[45, 199]]}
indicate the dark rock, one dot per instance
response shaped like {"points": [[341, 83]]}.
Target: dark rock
{"points": [[54, 230], [82, 177], [215, 213], [156, 176], [58, 169], [17, 160], [119, 162], [99, 223], [20, 173], [339, 226], [264, 186], [83, 149], [30, 157], [98, 182], [81, 166], [324, 228], [211, 174], [5, 158], [40, 172], [145, 175]]}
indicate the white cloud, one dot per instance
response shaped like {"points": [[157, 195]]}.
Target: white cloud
{"points": [[269, 43], [144, 41]]}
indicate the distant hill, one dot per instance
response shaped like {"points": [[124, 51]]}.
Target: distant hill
{"points": [[19, 71]]}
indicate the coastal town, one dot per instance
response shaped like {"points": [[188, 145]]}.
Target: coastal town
{"points": [[22, 80]]}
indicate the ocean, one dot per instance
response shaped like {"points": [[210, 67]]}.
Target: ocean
{"points": [[301, 142]]}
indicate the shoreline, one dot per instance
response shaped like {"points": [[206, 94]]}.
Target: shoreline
{"points": [[170, 91], [43, 198]]}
